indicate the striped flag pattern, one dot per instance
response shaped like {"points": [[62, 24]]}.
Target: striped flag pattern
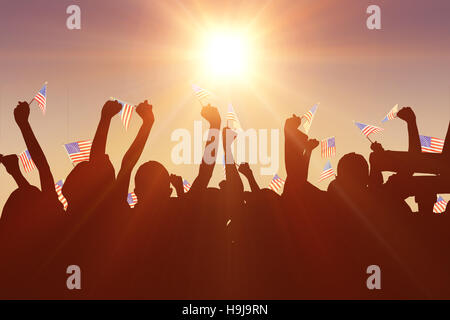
{"points": [[27, 162], [440, 205], [309, 116], [186, 186], [61, 198], [232, 116], [328, 147], [276, 184], [200, 92], [41, 98], [327, 172], [367, 129], [126, 113], [79, 151], [131, 199], [431, 144], [392, 114]]}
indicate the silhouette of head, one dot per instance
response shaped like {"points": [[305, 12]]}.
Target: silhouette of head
{"points": [[353, 171], [86, 183], [152, 183]]}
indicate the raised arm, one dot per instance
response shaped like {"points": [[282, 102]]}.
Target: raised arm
{"points": [[11, 163], [21, 114], [131, 157], [98, 149], [244, 168], [310, 145], [407, 114], [234, 182], [294, 145], [376, 177], [206, 169], [177, 183]]}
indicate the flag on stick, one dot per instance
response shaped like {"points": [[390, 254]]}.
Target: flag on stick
{"points": [[27, 162], [131, 199], [392, 114], [309, 116], [200, 93], [431, 144], [232, 116], [440, 205], [277, 183], [125, 113], [79, 151], [61, 198], [327, 172], [328, 147], [367, 129], [186, 185], [41, 98]]}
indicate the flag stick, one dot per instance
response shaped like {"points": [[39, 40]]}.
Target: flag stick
{"points": [[369, 139]]}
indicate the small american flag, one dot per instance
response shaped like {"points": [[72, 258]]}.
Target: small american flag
{"points": [[309, 116], [41, 98], [232, 116], [328, 147], [186, 186], [79, 151], [27, 162], [431, 145], [392, 114], [276, 184], [200, 92], [61, 198], [131, 199], [125, 113], [440, 205], [327, 172], [367, 129]]}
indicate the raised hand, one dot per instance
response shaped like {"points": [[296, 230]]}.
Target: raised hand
{"points": [[21, 113], [211, 114], [311, 144], [145, 111], [244, 168], [11, 163], [293, 122], [110, 109], [376, 147], [176, 181], [406, 114]]}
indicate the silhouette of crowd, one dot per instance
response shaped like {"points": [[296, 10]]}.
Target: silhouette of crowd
{"points": [[219, 242]]}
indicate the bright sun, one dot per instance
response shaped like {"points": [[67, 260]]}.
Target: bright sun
{"points": [[226, 54]]}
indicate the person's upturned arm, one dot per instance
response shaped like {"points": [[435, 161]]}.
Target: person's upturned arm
{"points": [[110, 109], [309, 147], [407, 114], [234, 182], [177, 183], [206, 169], [21, 114], [131, 157], [11, 163], [244, 168]]}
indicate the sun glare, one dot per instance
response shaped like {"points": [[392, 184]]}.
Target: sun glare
{"points": [[226, 54]]}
